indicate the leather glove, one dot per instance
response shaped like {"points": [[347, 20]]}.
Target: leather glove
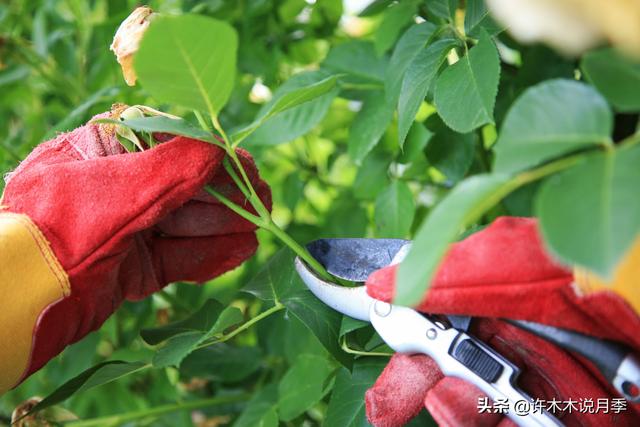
{"points": [[504, 271], [85, 225]]}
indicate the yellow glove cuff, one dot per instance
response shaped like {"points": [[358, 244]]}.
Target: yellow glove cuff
{"points": [[31, 278], [625, 282]]}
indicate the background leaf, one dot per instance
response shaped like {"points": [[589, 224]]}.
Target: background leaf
{"points": [[346, 407], [188, 60], [550, 119], [97, 375], [396, 18], [417, 81], [369, 125], [615, 76], [394, 210], [297, 120], [408, 47], [604, 185], [278, 281], [465, 92], [287, 98], [303, 385]]}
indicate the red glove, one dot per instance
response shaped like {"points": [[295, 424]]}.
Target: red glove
{"points": [[112, 226], [504, 272]]}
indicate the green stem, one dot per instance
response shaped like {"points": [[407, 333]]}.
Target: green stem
{"points": [[254, 199], [548, 169], [361, 86], [236, 208], [115, 420], [277, 307], [201, 120], [631, 140], [232, 173], [300, 250], [350, 350]]}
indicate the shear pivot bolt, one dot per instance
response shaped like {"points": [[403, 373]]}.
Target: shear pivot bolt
{"points": [[432, 333], [382, 309]]}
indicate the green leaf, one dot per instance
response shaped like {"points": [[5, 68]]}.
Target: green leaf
{"points": [[369, 125], [477, 17], [184, 336], [375, 7], [450, 152], [417, 139], [550, 119], [286, 99], [408, 47], [199, 321], [372, 175], [357, 58], [260, 410], [222, 362], [346, 407], [316, 89], [279, 281], [445, 9], [462, 206], [99, 374], [176, 349], [465, 92], [615, 76], [394, 210], [163, 124], [590, 214], [189, 60], [303, 385], [417, 81], [395, 19]]}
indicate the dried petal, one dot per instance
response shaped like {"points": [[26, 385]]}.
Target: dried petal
{"points": [[127, 40]]}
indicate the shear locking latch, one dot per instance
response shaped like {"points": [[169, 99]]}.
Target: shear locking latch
{"points": [[475, 358]]}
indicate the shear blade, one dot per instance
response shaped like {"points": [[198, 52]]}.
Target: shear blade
{"points": [[354, 302], [355, 259]]}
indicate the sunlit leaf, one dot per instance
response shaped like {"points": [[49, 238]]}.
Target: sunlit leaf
{"points": [[189, 60], [552, 118], [465, 92], [590, 214]]}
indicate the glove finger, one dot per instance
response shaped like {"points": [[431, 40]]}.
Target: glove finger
{"points": [[210, 217], [94, 204], [200, 259], [398, 393], [453, 402], [503, 271]]}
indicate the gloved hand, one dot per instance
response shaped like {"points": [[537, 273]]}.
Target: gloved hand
{"points": [[85, 225], [503, 271]]}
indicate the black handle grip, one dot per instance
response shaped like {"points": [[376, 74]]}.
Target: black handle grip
{"points": [[475, 358], [606, 355]]}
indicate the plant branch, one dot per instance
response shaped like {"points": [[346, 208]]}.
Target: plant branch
{"points": [[347, 349], [116, 420], [277, 307], [236, 208]]}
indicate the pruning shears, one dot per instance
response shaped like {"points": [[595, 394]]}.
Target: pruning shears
{"points": [[445, 338]]}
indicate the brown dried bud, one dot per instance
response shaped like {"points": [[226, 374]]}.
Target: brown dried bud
{"points": [[127, 40]]}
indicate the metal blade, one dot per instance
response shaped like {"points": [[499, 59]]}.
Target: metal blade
{"points": [[354, 302], [355, 259]]}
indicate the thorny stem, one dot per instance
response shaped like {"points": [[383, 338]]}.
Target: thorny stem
{"points": [[116, 420], [249, 323]]}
